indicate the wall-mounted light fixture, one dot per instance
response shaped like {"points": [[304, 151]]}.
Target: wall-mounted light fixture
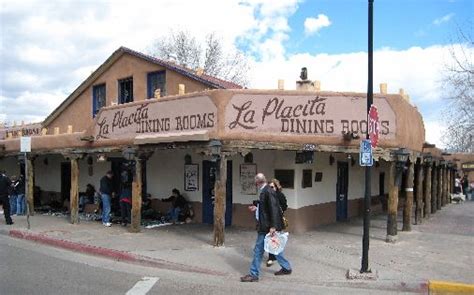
{"points": [[129, 154], [401, 157], [215, 147], [331, 159], [187, 159]]}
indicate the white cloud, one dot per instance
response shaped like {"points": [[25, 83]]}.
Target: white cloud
{"points": [[434, 132], [315, 24], [443, 19]]}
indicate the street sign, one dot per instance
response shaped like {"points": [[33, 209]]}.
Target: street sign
{"points": [[365, 153], [373, 126], [25, 144]]}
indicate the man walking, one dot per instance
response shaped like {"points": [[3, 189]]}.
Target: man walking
{"points": [[5, 186], [269, 220], [106, 191]]}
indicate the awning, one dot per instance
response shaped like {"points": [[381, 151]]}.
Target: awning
{"points": [[198, 135]]}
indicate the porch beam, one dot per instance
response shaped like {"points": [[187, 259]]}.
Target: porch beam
{"points": [[419, 194], [74, 198], [137, 197], [219, 202], [392, 205], [427, 191], [408, 209]]}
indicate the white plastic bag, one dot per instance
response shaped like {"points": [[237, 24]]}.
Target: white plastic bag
{"points": [[275, 244]]}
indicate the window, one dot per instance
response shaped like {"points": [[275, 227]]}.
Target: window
{"points": [[125, 90], [98, 98], [156, 80]]}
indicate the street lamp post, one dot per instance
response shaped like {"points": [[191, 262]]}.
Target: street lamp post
{"points": [[370, 90]]}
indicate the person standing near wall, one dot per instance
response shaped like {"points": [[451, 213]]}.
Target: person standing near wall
{"points": [[20, 198], [106, 191], [270, 220], [5, 186], [13, 195]]}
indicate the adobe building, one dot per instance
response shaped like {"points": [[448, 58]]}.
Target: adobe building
{"points": [[186, 130]]}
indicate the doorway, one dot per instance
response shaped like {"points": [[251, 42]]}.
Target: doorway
{"points": [[208, 181], [65, 181], [342, 190]]}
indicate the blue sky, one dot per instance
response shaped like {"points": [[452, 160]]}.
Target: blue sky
{"points": [[47, 48], [397, 24]]}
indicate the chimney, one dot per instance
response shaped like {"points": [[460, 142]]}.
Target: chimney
{"points": [[383, 88], [281, 84], [316, 85], [199, 71], [181, 89]]}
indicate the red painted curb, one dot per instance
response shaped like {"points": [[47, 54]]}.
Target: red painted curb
{"points": [[109, 253]]}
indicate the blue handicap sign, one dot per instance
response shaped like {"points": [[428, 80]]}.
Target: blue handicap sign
{"points": [[365, 153]]}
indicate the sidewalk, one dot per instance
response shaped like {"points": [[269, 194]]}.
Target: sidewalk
{"points": [[442, 248]]}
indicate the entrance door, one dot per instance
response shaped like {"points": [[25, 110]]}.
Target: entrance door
{"points": [[341, 190], [65, 181], [208, 181]]}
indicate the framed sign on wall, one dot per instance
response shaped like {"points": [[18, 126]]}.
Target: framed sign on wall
{"points": [[191, 177], [247, 179]]}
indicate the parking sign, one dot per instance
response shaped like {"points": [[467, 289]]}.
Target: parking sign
{"points": [[365, 153]]}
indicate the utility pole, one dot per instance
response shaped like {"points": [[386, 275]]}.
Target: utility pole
{"points": [[365, 238]]}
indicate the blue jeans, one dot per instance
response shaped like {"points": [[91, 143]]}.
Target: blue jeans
{"points": [[174, 213], [105, 208], [13, 204], [258, 255], [20, 205]]}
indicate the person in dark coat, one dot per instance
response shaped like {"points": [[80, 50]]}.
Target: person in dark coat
{"points": [[269, 220], [5, 188], [276, 186], [106, 192], [178, 204]]}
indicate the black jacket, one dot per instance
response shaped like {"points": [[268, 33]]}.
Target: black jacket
{"points": [[106, 185], [269, 212], [282, 200], [5, 185]]}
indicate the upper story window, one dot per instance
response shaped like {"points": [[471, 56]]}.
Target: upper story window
{"points": [[125, 90], [156, 80], [98, 98]]}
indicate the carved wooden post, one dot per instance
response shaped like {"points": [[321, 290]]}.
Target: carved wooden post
{"points": [[408, 209], [419, 193], [392, 205], [137, 197], [74, 197], [445, 185], [427, 190], [220, 200], [30, 185], [434, 190], [439, 193]]}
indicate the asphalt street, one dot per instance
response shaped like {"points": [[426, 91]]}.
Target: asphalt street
{"points": [[30, 268]]}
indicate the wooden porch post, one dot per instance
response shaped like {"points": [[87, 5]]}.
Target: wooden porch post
{"points": [[408, 209], [30, 185], [219, 205], [445, 185], [137, 197], [427, 190], [419, 193], [392, 205], [441, 187], [434, 190], [74, 193]]}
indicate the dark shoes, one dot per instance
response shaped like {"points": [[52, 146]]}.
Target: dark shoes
{"points": [[283, 272], [249, 279], [10, 222]]}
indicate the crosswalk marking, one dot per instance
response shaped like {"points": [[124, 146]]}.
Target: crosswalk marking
{"points": [[143, 286]]}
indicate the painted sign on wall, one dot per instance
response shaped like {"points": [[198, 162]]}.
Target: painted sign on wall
{"points": [[17, 131], [305, 115], [197, 113]]}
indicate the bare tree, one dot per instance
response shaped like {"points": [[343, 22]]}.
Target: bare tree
{"points": [[459, 86], [186, 51]]}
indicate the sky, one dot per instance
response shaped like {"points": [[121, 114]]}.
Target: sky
{"points": [[47, 48]]}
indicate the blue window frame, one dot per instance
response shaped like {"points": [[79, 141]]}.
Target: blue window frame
{"points": [[98, 98], [156, 80], [125, 90]]}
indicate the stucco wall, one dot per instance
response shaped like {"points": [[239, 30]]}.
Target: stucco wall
{"points": [[79, 112]]}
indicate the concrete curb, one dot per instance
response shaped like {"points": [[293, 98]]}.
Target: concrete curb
{"points": [[108, 253], [444, 287]]}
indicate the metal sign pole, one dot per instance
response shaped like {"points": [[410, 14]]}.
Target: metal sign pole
{"points": [[27, 181]]}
